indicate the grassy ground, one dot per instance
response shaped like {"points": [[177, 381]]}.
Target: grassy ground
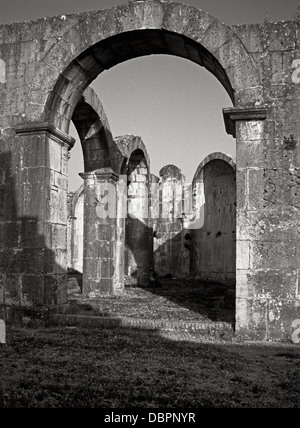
{"points": [[79, 367], [125, 367]]}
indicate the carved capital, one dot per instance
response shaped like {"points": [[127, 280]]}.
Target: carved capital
{"points": [[232, 115], [47, 129], [102, 174]]}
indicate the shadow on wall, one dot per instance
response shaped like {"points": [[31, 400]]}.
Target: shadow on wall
{"points": [[29, 275]]}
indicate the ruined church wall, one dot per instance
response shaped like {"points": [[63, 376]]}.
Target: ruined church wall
{"points": [[171, 251]]}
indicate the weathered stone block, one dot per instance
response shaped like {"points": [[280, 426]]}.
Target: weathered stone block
{"points": [[243, 255], [241, 189], [33, 289], [51, 287], [256, 180], [96, 288], [267, 284], [250, 130], [281, 35], [106, 268], [12, 289], [275, 255], [250, 154], [251, 35], [282, 313], [251, 316], [268, 225]]}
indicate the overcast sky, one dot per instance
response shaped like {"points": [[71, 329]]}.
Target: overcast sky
{"points": [[173, 104]]}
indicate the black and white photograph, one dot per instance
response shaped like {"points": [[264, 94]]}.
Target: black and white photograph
{"points": [[149, 207]]}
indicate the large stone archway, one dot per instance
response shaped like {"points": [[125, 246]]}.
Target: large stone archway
{"points": [[49, 63]]}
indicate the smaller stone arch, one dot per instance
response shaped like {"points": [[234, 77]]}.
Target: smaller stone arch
{"points": [[138, 228], [171, 254], [213, 156], [125, 146], [94, 131], [214, 205]]}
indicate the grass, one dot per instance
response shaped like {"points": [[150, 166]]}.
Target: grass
{"points": [[134, 368], [125, 368]]}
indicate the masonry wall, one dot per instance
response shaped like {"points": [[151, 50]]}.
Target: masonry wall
{"points": [[138, 256], [268, 187]]}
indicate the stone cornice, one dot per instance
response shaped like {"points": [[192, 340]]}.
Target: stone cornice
{"points": [[45, 128], [232, 115], [100, 174]]}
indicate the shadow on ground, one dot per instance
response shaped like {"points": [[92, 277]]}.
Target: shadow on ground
{"points": [[131, 368], [169, 299]]}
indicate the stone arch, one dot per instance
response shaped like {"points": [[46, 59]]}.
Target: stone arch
{"points": [[138, 231], [127, 145], [171, 257], [100, 40], [94, 131], [213, 156], [214, 237]]}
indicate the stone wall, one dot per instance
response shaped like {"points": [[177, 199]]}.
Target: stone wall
{"points": [[171, 253]]}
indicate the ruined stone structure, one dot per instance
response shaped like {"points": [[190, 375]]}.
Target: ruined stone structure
{"points": [[171, 254], [47, 65]]}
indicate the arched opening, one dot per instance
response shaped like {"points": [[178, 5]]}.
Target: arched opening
{"points": [[214, 239], [115, 50], [90, 126], [138, 231], [99, 150], [132, 31], [171, 255]]}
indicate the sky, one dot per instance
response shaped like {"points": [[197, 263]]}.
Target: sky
{"points": [[174, 105]]}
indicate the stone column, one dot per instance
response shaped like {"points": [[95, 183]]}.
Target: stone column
{"points": [[100, 232], [34, 217], [256, 261]]}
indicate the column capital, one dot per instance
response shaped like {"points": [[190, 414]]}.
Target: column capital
{"points": [[46, 128], [100, 175], [232, 115]]}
